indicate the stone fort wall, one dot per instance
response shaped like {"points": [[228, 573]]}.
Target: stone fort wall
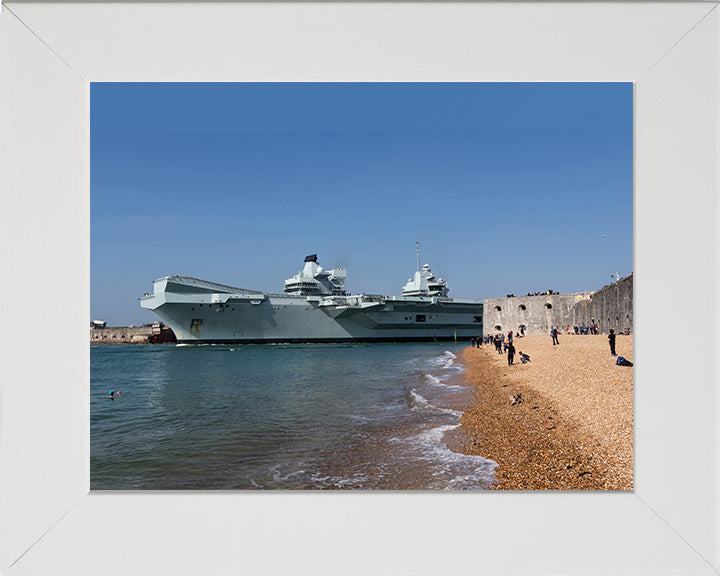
{"points": [[538, 314], [609, 307]]}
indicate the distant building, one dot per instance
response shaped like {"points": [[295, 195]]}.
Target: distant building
{"points": [[98, 324]]}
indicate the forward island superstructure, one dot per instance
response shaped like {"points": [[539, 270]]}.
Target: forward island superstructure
{"points": [[313, 308]]}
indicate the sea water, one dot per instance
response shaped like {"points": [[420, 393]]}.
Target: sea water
{"points": [[295, 416]]}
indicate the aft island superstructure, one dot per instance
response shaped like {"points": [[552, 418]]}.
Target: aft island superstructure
{"points": [[313, 308]]}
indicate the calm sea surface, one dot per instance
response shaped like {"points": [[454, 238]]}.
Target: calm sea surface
{"points": [[318, 416]]}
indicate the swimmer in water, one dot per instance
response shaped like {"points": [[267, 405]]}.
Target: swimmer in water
{"points": [[113, 394]]}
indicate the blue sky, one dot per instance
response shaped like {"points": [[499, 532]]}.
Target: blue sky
{"points": [[509, 188]]}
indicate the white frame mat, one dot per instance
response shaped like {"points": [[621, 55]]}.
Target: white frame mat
{"points": [[49, 521]]}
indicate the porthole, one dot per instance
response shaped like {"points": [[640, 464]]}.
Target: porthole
{"points": [[498, 309], [522, 307], [498, 328], [548, 306]]}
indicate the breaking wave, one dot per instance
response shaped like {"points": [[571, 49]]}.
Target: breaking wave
{"points": [[454, 471], [419, 402], [435, 381]]}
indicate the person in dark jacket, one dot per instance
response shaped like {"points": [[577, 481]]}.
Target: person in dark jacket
{"points": [[611, 339], [499, 343], [553, 333], [511, 353]]}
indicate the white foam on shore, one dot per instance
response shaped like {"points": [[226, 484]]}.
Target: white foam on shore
{"points": [[278, 477], [419, 402], [435, 381], [357, 481], [455, 471], [444, 360]]}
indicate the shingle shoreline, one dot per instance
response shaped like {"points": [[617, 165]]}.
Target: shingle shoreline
{"points": [[574, 428]]}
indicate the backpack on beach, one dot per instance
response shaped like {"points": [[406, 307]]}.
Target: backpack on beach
{"points": [[622, 361]]}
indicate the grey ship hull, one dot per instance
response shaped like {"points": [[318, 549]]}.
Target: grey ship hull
{"points": [[202, 312]]}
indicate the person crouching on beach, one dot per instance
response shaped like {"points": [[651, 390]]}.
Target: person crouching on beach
{"points": [[524, 358], [511, 353]]}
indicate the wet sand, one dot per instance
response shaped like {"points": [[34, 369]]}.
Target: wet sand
{"points": [[574, 429]]}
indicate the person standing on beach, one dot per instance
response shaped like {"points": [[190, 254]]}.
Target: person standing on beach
{"points": [[611, 339], [554, 333], [511, 353], [472, 342]]}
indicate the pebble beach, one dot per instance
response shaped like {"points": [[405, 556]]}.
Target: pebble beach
{"points": [[573, 429]]}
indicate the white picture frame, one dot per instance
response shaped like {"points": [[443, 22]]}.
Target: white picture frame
{"points": [[49, 521]]}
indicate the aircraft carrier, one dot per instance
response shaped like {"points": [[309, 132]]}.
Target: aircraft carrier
{"points": [[313, 308]]}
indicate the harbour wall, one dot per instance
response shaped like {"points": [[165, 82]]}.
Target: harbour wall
{"points": [[132, 335], [611, 307]]}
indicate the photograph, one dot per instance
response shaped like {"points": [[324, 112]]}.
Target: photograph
{"points": [[361, 286]]}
